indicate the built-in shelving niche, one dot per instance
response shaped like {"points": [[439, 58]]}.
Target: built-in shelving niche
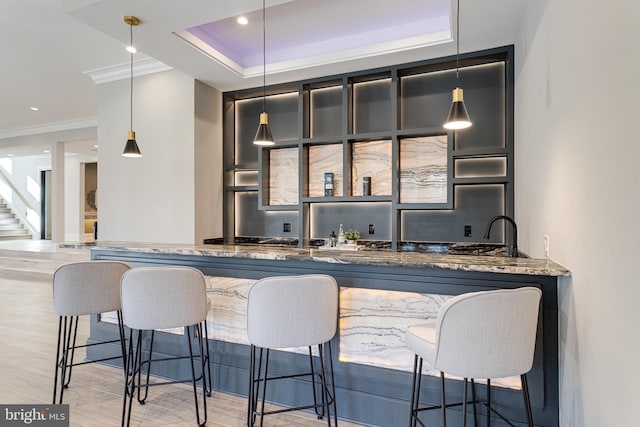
{"points": [[426, 184]]}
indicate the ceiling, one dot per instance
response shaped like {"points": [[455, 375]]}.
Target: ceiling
{"points": [[55, 48]]}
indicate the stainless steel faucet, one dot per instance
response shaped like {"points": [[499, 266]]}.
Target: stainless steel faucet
{"points": [[512, 249]]}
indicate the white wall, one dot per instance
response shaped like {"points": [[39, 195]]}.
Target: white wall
{"points": [[152, 198], [577, 176], [208, 163]]}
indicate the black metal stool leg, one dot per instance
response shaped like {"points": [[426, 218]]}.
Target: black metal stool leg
{"points": [[473, 397], [135, 361], [58, 356], [141, 399], [123, 343], [208, 356], [333, 387], [527, 399], [443, 400], [70, 345], [413, 391], [464, 403], [201, 420], [325, 389], [255, 387], [252, 356], [127, 390], [488, 402], [264, 386], [317, 410]]}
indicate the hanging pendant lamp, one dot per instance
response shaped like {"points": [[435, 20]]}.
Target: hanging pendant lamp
{"points": [[263, 135], [458, 116], [131, 148]]}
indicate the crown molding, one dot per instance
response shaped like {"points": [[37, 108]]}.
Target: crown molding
{"points": [[122, 71], [316, 60], [50, 127]]}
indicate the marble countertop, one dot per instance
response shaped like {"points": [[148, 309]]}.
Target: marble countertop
{"points": [[476, 263]]}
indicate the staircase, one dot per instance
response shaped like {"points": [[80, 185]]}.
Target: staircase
{"points": [[36, 259], [11, 228]]}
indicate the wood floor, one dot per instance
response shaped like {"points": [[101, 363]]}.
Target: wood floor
{"points": [[28, 330]]}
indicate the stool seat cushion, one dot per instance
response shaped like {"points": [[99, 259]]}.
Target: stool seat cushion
{"points": [[421, 339]]}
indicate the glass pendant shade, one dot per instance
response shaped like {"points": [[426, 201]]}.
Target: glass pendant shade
{"points": [[263, 135], [458, 116], [131, 148]]}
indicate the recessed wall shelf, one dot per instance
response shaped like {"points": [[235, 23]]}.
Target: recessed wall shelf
{"points": [[426, 183]]}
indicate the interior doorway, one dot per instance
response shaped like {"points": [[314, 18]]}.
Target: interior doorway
{"points": [[89, 192], [45, 205]]}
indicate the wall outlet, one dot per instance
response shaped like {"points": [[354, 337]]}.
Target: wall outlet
{"points": [[467, 231], [372, 229], [546, 246], [286, 227]]}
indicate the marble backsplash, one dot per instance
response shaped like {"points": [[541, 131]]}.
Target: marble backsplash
{"points": [[283, 176], [372, 159], [423, 170], [323, 159]]}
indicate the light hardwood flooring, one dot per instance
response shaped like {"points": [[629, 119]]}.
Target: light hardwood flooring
{"points": [[28, 334]]}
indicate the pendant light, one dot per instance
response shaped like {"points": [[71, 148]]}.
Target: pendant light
{"points": [[458, 117], [263, 135], [131, 148]]}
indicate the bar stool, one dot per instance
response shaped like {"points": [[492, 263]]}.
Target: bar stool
{"points": [[488, 335], [163, 298], [292, 311], [80, 289]]}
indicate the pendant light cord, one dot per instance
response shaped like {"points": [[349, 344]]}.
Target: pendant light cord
{"points": [[458, 42], [264, 58], [131, 79]]}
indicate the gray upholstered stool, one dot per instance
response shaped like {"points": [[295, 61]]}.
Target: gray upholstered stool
{"points": [[163, 298], [477, 335], [292, 311], [79, 289]]}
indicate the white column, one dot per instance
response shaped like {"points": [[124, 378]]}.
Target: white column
{"points": [[57, 192]]}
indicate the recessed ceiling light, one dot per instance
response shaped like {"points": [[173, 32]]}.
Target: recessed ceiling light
{"points": [[132, 49], [10, 155], [95, 146], [34, 108], [242, 20], [46, 151]]}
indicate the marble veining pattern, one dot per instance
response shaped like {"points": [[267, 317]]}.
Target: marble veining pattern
{"points": [[371, 159], [376, 257], [283, 176], [227, 318], [423, 170], [373, 324], [112, 317], [325, 158]]}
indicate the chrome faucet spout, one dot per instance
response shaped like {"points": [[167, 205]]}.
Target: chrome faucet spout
{"points": [[512, 249]]}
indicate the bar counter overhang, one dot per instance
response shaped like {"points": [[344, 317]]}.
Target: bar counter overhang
{"points": [[382, 292]]}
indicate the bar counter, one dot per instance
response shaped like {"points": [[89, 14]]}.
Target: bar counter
{"points": [[367, 257], [381, 293]]}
